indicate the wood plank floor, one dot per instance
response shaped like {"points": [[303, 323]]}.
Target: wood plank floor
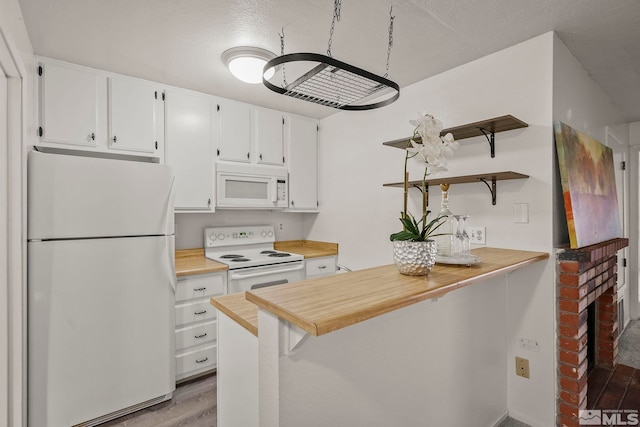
{"points": [[193, 405]]}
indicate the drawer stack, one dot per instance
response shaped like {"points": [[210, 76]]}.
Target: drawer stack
{"points": [[196, 323]]}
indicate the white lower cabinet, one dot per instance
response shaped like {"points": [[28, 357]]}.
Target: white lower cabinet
{"points": [[196, 323], [322, 266]]}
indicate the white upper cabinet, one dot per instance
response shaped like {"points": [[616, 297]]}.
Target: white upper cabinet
{"points": [[234, 143], [188, 148], [268, 136], [68, 104], [132, 115], [302, 141]]}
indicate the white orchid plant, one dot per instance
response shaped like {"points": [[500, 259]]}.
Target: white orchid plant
{"points": [[433, 151]]}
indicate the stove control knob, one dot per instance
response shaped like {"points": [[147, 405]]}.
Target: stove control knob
{"points": [[221, 236], [263, 234], [212, 237], [270, 233]]}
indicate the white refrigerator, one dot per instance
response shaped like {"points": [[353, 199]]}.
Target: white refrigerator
{"points": [[101, 288]]}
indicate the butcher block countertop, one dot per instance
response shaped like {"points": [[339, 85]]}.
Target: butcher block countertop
{"points": [[239, 309], [329, 303], [193, 261], [308, 248]]}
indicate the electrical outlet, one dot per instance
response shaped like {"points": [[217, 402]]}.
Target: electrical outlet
{"points": [[522, 367], [281, 226], [477, 235]]}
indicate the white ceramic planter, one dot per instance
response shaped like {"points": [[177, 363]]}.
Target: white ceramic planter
{"points": [[414, 258]]}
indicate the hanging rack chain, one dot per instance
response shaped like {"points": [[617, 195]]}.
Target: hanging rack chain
{"points": [[391, 18], [336, 17], [284, 75]]}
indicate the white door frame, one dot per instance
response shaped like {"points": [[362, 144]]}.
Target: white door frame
{"points": [[13, 280], [634, 229]]}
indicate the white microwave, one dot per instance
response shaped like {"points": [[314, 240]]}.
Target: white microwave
{"points": [[246, 186]]}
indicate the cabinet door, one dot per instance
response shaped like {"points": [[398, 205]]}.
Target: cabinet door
{"points": [[68, 104], [303, 163], [268, 133], [132, 115], [188, 146], [235, 132]]}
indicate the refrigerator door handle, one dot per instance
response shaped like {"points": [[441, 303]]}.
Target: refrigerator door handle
{"points": [[169, 209], [170, 267]]}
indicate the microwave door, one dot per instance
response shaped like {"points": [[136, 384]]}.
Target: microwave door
{"points": [[245, 191]]}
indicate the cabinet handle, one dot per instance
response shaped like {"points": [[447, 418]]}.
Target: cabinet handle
{"points": [[209, 202], [322, 267], [93, 136], [200, 336], [260, 156], [198, 313], [248, 156], [115, 139], [202, 360], [293, 203], [204, 288]]}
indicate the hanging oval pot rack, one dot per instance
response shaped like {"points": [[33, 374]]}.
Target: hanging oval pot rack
{"points": [[333, 83]]}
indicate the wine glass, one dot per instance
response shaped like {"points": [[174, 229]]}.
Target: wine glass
{"points": [[466, 241], [457, 238]]}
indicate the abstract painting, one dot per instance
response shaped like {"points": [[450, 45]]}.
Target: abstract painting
{"points": [[588, 187]]}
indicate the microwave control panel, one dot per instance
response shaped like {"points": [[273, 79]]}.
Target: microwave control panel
{"points": [[282, 191]]}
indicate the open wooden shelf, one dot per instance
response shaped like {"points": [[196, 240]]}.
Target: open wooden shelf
{"points": [[498, 176], [488, 128], [489, 179]]}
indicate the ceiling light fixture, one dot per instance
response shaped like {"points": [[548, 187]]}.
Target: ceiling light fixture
{"points": [[332, 83], [246, 63]]}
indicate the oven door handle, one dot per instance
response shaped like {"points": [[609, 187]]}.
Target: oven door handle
{"points": [[236, 276]]}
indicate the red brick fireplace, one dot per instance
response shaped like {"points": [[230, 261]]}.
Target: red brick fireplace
{"points": [[585, 276]]}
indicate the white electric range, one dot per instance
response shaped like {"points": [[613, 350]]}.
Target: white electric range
{"points": [[249, 254]]}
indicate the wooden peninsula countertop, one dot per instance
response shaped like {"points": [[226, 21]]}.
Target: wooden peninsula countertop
{"points": [[329, 303]]}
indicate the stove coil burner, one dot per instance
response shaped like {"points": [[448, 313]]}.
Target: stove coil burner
{"points": [[240, 259], [268, 252], [279, 255], [231, 256]]}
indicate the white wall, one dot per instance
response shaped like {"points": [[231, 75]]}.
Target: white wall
{"points": [[634, 212], [581, 104], [190, 226], [436, 363], [359, 214]]}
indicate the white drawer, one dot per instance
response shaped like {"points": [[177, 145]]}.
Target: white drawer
{"points": [[194, 311], [320, 266], [195, 335], [200, 286], [191, 362]]}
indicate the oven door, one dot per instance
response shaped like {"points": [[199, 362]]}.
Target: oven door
{"points": [[246, 279]]}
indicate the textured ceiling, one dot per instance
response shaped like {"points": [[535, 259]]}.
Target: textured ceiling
{"points": [[180, 42]]}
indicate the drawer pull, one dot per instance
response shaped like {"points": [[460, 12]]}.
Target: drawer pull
{"points": [[322, 267], [200, 336], [204, 288], [198, 313], [202, 360]]}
